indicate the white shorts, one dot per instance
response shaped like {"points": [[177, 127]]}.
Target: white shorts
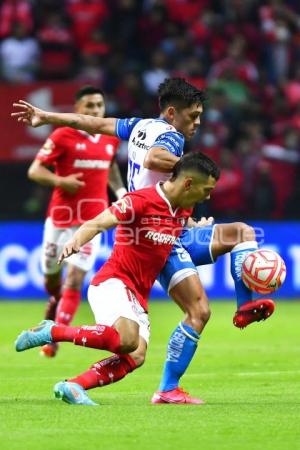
{"points": [[112, 299], [54, 239]]}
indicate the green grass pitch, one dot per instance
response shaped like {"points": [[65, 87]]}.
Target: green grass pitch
{"points": [[249, 379]]}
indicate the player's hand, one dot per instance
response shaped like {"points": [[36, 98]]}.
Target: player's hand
{"points": [[71, 183], [29, 114], [69, 249], [204, 222]]}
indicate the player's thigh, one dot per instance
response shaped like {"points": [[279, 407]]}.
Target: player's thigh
{"points": [[178, 266], [53, 241], [198, 242], [85, 259], [111, 300], [74, 277]]}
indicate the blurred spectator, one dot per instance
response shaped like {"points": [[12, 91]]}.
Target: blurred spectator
{"points": [[12, 11], [262, 200], [158, 72], [236, 63], [227, 200], [283, 158], [85, 15], [91, 71], [57, 51], [19, 55]]}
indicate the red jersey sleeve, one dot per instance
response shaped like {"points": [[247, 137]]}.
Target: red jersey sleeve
{"points": [[53, 148], [129, 208]]}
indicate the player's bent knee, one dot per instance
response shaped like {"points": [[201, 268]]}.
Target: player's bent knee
{"points": [[129, 343], [200, 319], [244, 232]]}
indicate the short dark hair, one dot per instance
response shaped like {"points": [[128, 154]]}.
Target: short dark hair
{"points": [[179, 93], [196, 162], [87, 90]]}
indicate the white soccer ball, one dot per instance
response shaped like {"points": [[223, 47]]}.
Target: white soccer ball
{"points": [[263, 271]]}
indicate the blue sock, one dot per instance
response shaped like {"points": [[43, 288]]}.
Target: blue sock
{"points": [[238, 255], [181, 348]]}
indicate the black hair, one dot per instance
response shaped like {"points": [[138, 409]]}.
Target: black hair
{"points": [[179, 93], [196, 162], [87, 90]]}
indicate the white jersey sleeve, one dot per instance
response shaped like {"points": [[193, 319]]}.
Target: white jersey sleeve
{"points": [[143, 135]]}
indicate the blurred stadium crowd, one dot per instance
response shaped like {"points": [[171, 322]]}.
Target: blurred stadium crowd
{"points": [[245, 53]]}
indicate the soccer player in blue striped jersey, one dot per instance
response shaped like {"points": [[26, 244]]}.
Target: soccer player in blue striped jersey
{"points": [[154, 147]]}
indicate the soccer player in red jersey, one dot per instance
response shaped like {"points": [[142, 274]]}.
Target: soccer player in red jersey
{"points": [[83, 165], [154, 147], [148, 223]]}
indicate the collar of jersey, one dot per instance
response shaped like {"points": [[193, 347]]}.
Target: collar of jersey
{"points": [[162, 195]]}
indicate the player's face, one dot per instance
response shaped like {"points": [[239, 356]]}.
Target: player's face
{"points": [[91, 104], [187, 120], [196, 190]]}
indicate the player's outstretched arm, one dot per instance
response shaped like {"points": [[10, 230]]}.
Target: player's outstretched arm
{"points": [[36, 117], [87, 231]]}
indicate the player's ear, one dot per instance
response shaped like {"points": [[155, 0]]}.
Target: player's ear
{"points": [[171, 112], [188, 183]]}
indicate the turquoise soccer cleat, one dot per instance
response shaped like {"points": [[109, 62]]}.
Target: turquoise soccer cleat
{"points": [[72, 393], [39, 335]]}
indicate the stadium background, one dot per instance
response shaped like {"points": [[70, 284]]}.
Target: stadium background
{"points": [[246, 54]]}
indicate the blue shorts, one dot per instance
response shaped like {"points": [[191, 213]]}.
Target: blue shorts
{"points": [[192, 249]]}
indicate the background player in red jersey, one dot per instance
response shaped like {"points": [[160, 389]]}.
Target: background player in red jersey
{"points": [[83, 167], [150, 220]]}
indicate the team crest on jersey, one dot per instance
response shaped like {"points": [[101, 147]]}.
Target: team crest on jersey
{"points": [[47, 147], [123, 205], [141, 134]]}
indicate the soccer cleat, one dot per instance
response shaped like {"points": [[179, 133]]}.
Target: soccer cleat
{"points": [[49, 350], [253, 311], [35, 337], [72, 393], [176, 396]]}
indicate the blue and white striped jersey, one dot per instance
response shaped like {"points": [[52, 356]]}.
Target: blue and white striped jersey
{"points": [[143, 134]]}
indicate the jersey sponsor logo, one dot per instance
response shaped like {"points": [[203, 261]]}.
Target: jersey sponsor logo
{"points": [[80, 146], [161, 238], [123, 205], [47, 148], [175, 347], [139, 144], [91, 164]]}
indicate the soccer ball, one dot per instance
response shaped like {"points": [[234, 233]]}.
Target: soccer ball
{"points": [[263, 271]]}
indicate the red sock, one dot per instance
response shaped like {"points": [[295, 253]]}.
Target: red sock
{"points": [[98, 336], [62, 333], [67, 306], [107, 371]]}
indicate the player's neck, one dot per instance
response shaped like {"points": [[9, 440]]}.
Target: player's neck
{"points": [[170, 193]]}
